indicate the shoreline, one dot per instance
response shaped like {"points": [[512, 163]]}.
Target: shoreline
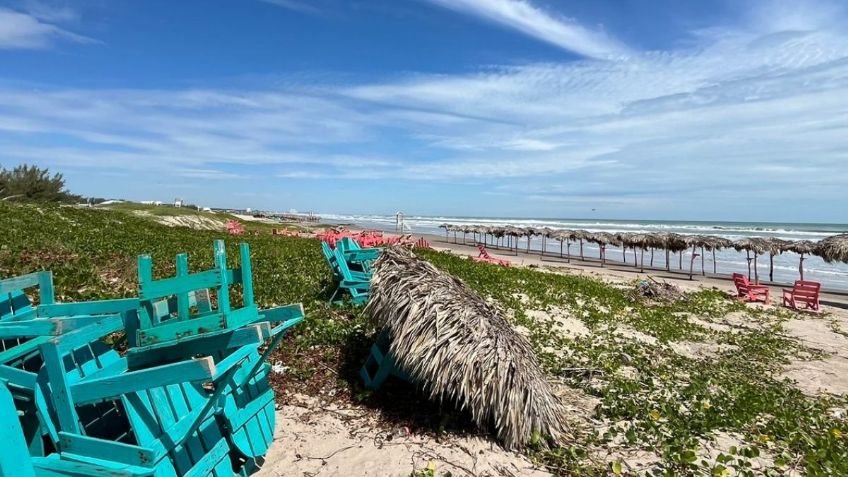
{"points": [[615, 269], [612, 269]]}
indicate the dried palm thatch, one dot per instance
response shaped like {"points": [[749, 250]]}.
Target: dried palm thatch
{"points": [[651, 289], [834, 249], [460, 348]]}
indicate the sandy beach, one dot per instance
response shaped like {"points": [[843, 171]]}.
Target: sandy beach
{"points": [[612, 269], [319, 436]]}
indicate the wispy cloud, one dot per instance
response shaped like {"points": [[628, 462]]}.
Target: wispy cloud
{"points": [[302, 6], [27, 31], [523, 16], [747, 112]]}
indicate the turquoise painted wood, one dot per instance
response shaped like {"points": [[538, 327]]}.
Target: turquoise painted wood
{"points": [[225, 332], [169, 427], [355, 254], [158, 327], [15, 460], [24, 327], [158, 410], [357, 286], [332, 261], [380, 364]]}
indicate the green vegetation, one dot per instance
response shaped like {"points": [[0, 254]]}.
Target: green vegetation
{"points": [[653, 399], [636, 396], [32, 183]]}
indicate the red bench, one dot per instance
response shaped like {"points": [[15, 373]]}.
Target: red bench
{"points": [[802, 293], [750, 292], [485, 257]]}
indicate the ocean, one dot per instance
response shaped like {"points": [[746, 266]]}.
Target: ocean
{"points": [[831, 275]]}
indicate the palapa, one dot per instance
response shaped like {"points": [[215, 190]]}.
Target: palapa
{"points": [[460, 348], [834, 249]]}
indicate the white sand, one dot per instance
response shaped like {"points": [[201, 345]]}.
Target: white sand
{"points": [[327, 441]]}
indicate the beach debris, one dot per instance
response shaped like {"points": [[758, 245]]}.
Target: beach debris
{"points": [[651, 289], [448, 339]]}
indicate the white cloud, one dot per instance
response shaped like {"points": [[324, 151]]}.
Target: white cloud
{"points": [[296, 5], [24, 31], [745, 113], [523, 16]]}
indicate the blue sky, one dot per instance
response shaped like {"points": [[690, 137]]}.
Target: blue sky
{"points": [[713, 110]]}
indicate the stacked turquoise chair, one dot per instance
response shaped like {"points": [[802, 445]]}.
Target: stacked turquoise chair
{"points": [[351, 267], [24, 328], [355, 255], [351, 275], [191, 396], [161, 333]]}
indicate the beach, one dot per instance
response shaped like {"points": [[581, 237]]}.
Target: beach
{"points": [[323, 436], [833, 276]]}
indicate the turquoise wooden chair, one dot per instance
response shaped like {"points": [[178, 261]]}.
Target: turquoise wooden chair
{"points": [[355, 285], [380, 364], [155, 330], [165, 333], [24, 327], [354, 254], [332, 261], [163, 418], [15, 460]]}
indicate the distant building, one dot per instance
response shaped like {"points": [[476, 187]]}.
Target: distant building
{"points": [[152, 202], [178, 202]]}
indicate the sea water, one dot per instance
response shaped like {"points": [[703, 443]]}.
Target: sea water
{"points": [[830, 275]]}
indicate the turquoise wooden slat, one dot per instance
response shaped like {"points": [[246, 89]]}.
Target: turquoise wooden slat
{"points": [[224, 284], [73, 339], [118, 452], [57, 310], [9, 285], [175, 285], [194, 328], [149, 355], [112, 387], [45, 289], [246, 272], [14, 457], [182, 297], [46, 326], [17, 377]]}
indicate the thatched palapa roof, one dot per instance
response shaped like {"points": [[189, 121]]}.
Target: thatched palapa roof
{"points": [[834, 248], [459, 347]]}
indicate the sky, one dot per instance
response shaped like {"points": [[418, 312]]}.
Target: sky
{"points": [[622, 109]]}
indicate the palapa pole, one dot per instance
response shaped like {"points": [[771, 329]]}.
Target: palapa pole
{"points": [[756, 272], [581, 251], [692, 263], [652, 257], [714, 262], [703, 272], [771, 267], [801, 266], [748, 258], [642, 265]]}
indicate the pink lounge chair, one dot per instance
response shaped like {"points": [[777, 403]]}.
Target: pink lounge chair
{"points": [[235, 227], [802, 293], [485, 257], [749, 292]]}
